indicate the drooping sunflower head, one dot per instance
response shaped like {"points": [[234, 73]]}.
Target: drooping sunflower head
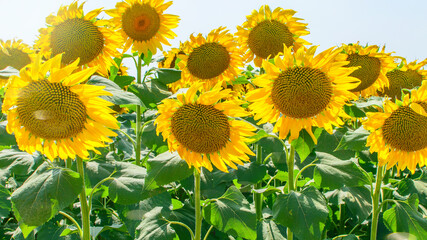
{"points": [[399, 133], [373, 66], [415, 74], [210, 60], [265, 32], [300, 91], [143, 24], [49, 110], [80, 36], [202, 127], [14, 53]]}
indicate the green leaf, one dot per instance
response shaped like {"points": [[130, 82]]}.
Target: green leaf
{"points": [[274, 146], [46, 191], [214, 184], [232, 214], [408, 186], [354, 111], [357, 199], [6, 139], [16, 162], [119, 96], [328, 143], [354, 140], [168, 75], [150, 93], [304, 144], [154, 227], [250, 173], [305, 213], [123, 81], [51, 231], [404, 218], [151, 140], [334, 173], [146, 58], [5, 204], [166, 168], [159, 206], [269, 230], [348, 237]]}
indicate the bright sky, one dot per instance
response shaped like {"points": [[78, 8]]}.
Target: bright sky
{"points": [[400, 25]]}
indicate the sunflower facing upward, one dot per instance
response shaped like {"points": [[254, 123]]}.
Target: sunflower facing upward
{"points": [[399, 134], [202, 129], [211, 60], [15, 54], [299, 91], [49, 110], [80, 36], [373, 67], [143, 24], [264, 33]]}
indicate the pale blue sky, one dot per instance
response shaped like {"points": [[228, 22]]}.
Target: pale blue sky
{"points": [[400, 25]]}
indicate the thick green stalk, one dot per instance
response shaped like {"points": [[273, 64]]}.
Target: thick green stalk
{"points": [[376, 201], [84, 208], [258, 185], [138, 117], [291, 160], [197, 207]]}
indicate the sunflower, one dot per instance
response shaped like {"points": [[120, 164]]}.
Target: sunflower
{"points": [[373, 65], [300, 91], [49, 110], [202, 129], [264, 33], [210, 60], [170, 57], [415, 74], [143, 24], [399, 133], [80, 36], [13, 53]]}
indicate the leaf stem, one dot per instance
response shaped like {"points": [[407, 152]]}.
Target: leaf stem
{"points": [[73, 221], [197, 207], [181, 224], [375, 202], [207, 233], [258, 185], [290, 159], [83, 202], [138, 117]]}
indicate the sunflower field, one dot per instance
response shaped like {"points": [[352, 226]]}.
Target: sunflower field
{"points": [[245, 134]]}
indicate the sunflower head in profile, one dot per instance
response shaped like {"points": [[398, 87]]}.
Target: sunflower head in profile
{"points": [[170, 58], [80, 36], [299, 91], [415, 74], [143, 24], [49, 110], [211, 60], [201, 127], [372, 64], [265, 32], [14, 53], [399, 133]]}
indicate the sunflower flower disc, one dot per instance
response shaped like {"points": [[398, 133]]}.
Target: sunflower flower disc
{"points": [[265, 32], [399, 134], [15, 54], [202, 128], [49, 110], [77, 38], [211, 60], [299, 91], [80, 36], [372, 64], [398, 80], [415, 74], [143, 25]]}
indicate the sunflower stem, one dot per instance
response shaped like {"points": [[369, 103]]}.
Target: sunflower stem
{"points": [[375, 202], [83, 202], [258, 185], [291, 159], [197, 207], [138, 116]]}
